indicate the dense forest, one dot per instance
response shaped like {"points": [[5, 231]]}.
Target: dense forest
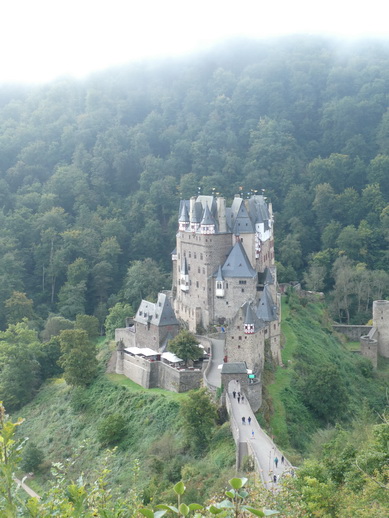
{"points": [[91, 172]]}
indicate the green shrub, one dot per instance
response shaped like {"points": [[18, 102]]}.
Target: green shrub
{"points": [[32, 458], [111, 430]]}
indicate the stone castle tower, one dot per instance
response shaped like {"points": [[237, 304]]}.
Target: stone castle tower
{"points": [[224, 274]]}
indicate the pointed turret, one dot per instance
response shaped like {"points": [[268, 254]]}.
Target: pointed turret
{"points": [[183, 221], [207, 225], [249, 327]]}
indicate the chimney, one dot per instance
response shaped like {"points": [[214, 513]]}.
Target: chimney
{"points": [[221, 213], [192, 215]]}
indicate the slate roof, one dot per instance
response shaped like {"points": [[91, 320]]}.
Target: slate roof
{"points": [[237, 263], [159, 314], [250, 315], [207, 217], [219, 275], [265, 277], [243, 223], [184, 217], [234, 368], [266, 309]]}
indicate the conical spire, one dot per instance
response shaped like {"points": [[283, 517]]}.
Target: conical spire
{"points": [[207, 225], [184, 217], [249, 320]]}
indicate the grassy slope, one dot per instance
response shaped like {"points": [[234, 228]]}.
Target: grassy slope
{"points": [[62, 420], [308, 340]]}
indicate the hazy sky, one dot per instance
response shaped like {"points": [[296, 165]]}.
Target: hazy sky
{"points": [[42, 39]]}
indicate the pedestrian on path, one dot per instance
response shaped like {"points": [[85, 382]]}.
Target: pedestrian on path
{"points": [[234, 394], [282, 459], [249, 420], [242, 398], [243, 420], [275, 478], [252, 433], [238, 399], [238, 394], [276, 461]]}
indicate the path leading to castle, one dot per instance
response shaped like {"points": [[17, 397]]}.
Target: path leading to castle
{"points": [[214, 373], [263, 447]]}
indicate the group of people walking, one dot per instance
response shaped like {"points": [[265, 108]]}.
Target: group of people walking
{"points": [[238, 396]]}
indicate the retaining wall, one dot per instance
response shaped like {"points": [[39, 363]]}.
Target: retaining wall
{"points": [[354, 333]]}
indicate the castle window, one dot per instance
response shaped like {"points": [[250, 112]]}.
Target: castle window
{"points": [[227, 302], [184, 253], [242, 290], [238, 346], [239, 337], [242, 282], [238, 327], [219, 285], [198, 269], [194, 255], [190, 254], [226, 285], [204, 271], [201, 256], [197, 284], [232, 337]]}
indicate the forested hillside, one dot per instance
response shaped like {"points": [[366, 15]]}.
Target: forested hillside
{"points": [[91, 172]]}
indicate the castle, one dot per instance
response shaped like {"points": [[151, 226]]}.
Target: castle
{"points": [[224, 274], [224, 282]]}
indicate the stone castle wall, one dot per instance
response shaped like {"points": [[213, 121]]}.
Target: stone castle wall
{"points": [[203, 254], [381, 323], [235, 295], [156, 374], [127, 335], [354, 333]]}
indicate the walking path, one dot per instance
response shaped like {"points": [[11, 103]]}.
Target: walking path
{"points": [[26, 488], [259, 444], [214, 373], [263, 449]]}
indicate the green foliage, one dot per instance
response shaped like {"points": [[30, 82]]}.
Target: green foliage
{"points": [[185, 346], [198, 419], [116, 318], [18, 307], [78, 357], [111, 430], [324, 392], [54, 325], [19, 365], [10, 455], [88, 323], [144, 280], [32, 457]]}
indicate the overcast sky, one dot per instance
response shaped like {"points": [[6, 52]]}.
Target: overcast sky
{"points": [[43, 39]]}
